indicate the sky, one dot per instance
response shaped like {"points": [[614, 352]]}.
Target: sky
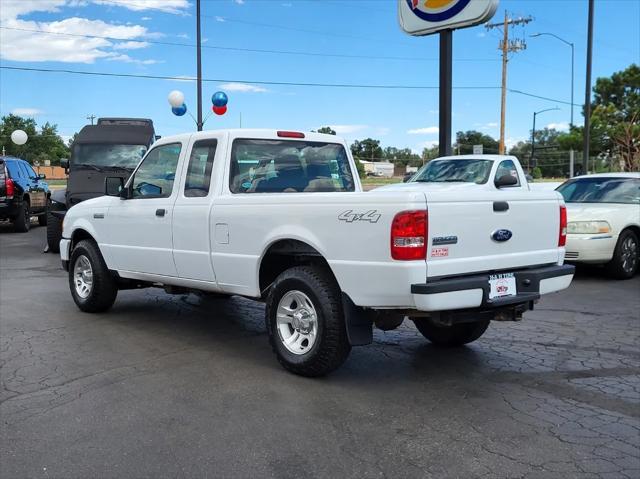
{"points": [[352, 42]]}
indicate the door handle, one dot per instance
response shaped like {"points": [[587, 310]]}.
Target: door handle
{"points": [[160, 212], [500, 206]]}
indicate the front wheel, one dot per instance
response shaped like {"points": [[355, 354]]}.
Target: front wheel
{"points": [[626, 256], [450, 336], [92, 286], [305, 322]]}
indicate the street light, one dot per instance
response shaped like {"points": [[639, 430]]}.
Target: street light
{"points": [[572, 61], [533, 134]]}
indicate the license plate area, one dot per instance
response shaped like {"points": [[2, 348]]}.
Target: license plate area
{"points": [[501, 285]]}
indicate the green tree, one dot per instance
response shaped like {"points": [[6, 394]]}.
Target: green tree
{"points": [[466, 139], [401, 156], [616, 116], [327, 130], [42, 145], [367, 150], [429, 154]]}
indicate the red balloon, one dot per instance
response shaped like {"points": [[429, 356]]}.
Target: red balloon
{"points": [[219, 110]]}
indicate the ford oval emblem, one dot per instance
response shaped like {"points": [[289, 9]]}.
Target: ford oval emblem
{"points": [[501, 235]]}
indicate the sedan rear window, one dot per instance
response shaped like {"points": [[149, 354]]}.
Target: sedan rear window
{"points": [[286, 166], [601, 190]]}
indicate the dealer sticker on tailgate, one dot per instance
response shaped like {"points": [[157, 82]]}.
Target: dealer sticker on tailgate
{"points": [[503, 284]]}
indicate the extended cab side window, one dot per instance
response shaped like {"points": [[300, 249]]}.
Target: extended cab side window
{"points": [[198, 178], [155, 176], [288, 166], [508, 167]]}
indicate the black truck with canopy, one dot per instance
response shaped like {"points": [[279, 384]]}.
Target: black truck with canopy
{"points": [[112, 147]]}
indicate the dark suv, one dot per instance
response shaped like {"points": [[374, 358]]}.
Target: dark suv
{"points": [[23, 194]]}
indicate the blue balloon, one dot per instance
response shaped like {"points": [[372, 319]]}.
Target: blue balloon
{"points": [[180, 110], [219, 98]]}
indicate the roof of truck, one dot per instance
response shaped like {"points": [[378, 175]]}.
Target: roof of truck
{"points": [[123, 134], [477, 157], [257, 133]]}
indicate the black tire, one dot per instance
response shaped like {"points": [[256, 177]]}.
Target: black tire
{"points": [[450, 336], [22, 221], [104, 288], [331, 347], [42, 219], [626, 256], [54, 232]]}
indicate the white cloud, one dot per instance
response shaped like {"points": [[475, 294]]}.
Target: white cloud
{"points": [[348, 129], [127, 59], [511, 142], [220, 19], [425, 144], [429, 130], [239, 2], [562, 126], [26, 111], [130, 45], [67, 43], [168, 6], [243, 88], [145, 19], [183, 35]]}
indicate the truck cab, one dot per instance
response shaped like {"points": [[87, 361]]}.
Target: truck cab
{"points": [[112, 147]]}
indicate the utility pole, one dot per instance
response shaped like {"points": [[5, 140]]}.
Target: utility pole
{"points": [[446, 61], [587, 94], [507, 46], [91, 117], [199, 62]]}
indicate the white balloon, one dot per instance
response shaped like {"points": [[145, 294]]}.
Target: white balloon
{"points": [[19, 137], [176, 98]]}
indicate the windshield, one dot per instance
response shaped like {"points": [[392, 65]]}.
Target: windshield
{"points": [[463, 171], [601, 190], [99, 155]]}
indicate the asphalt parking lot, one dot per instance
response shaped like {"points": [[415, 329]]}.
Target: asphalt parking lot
{"points": [[178, 386]]}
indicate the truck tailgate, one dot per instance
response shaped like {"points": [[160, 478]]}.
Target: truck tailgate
{"points": [[478, 232]]}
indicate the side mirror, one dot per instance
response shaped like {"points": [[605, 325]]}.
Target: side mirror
{"points": [[64, 163], [114, 186], [42, 176], [506, 180]]}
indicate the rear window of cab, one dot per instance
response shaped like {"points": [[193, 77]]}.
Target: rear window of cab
{"points": [[289, 166]]}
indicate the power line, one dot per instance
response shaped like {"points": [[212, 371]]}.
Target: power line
{"points": [[239, 49], [255, 82], [273, 83]]}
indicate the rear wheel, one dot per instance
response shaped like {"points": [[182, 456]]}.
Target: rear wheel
{"points": [[450, 336], [54, 232], [626, 256], [92, 286], [306, 323], [22, 222]]}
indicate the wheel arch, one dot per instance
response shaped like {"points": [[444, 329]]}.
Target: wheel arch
{"points": [[80, 234], [634, 228], [284, 253]]}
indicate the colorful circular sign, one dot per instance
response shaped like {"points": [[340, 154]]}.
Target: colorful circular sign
{"points": [[437, 10]]}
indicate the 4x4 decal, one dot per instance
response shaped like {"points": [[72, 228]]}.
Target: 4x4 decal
{"points": [[372, 216]]}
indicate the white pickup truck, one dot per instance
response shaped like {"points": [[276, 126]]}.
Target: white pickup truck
{"points": [[280, 216]]}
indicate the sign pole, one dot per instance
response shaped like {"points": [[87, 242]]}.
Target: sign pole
{"points": [[199, 122], [446, 61]]}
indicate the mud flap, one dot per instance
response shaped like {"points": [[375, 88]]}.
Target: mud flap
{"points": [[358, 321]]}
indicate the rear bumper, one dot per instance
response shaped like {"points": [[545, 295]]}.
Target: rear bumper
{"points": [[473, 291]]}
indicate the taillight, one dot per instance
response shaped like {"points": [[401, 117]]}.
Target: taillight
{"points": [[562, 237], [409, 235], [10, 187]]}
